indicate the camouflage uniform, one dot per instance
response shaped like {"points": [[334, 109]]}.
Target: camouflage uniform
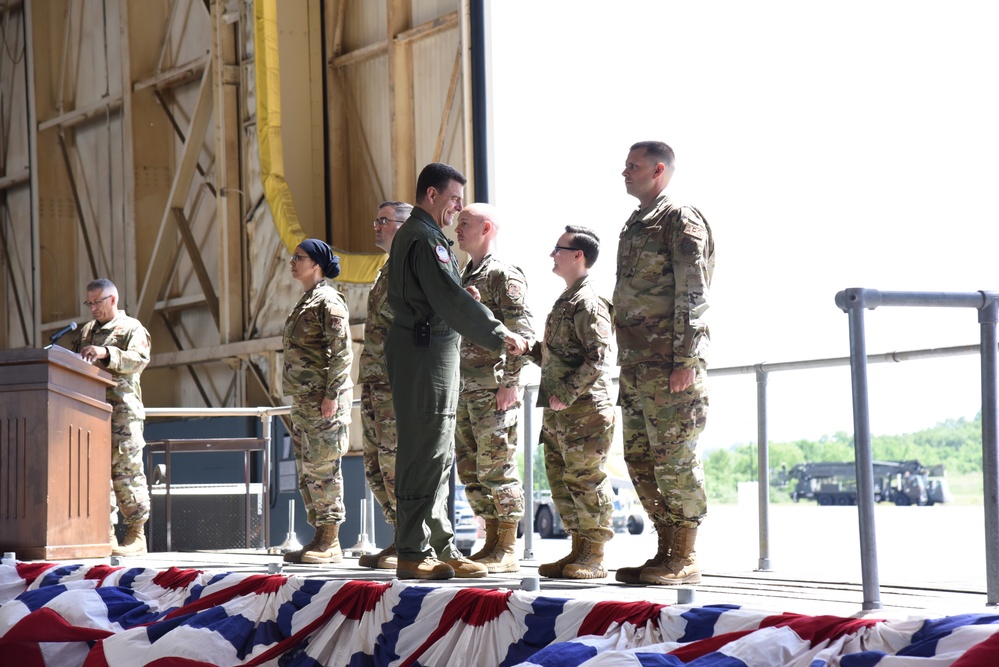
{"points": [[665, 262], [317, 359], [578, 438], [486, 446], [127, 342], [377, 413]]}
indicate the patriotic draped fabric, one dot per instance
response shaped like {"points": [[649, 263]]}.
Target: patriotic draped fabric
{"points": [[54, 615]]}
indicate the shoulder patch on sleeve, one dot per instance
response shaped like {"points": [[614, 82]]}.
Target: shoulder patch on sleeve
{"points": [[690, 229], [443, 255], [688, 247], [514, 290]]}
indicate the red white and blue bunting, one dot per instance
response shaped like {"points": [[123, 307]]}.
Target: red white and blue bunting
{"points": [[54, 615]]}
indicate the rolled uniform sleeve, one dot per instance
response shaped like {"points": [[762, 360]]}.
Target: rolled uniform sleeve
{"points": [[516, 317], [592, 324], [133, 358], [337, 333], [577, 338], [693, 259]]}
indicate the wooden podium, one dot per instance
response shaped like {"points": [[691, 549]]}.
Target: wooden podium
{"points": [[55, 455]]}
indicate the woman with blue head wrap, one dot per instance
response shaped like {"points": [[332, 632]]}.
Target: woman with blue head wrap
{"points": [[317, 360]]}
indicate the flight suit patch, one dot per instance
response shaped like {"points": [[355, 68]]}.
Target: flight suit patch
{"points": [[443, 255]]}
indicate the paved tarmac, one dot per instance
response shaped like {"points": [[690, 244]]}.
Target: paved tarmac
{"points": [[931, 563]]}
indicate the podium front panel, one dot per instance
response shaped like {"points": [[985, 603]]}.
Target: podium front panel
{"points": [[55, 456]]}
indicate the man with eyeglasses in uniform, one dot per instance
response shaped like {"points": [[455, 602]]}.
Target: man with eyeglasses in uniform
{"points": [[120, 345], [377, 414], [578, 419]]}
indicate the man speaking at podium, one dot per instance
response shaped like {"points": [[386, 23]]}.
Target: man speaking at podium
{"points": [[120, 345]]}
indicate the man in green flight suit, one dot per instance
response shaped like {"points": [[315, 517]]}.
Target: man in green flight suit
{"points": [[431, 313]]}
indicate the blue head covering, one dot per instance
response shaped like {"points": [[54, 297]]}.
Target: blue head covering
{"points": [[320, 253]]}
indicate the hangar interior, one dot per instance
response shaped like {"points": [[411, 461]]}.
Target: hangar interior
{"points": [[182, 148]]}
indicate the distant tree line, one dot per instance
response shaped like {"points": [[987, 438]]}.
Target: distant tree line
{"points": [[955, 443]]}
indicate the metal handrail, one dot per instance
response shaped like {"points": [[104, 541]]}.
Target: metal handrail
{"points": [[854, 301], [762, 372]]}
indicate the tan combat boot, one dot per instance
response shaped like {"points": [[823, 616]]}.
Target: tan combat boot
{"points": [[135, 541], [427, 568], [633, 575], [502, 558], [490, 545], [327, 547], [386, 559], [681, 567], [589, 564], [467, 569], [296, 556], [554, 570]]}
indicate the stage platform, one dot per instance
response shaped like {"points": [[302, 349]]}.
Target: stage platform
{"points": [[774, 591], [931, 562], [245, 607]]}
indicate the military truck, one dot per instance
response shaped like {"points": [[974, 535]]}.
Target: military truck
{"points": [[835, 483]]}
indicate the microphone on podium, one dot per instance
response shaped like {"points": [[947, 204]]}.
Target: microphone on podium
{"points": [[62, 332]]}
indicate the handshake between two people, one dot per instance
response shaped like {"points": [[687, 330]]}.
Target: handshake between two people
{"points": [[515, 343]]}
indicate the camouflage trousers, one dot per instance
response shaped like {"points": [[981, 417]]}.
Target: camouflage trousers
{"points": [[129, 491], [319, 443], [660, 443], [486, 455], [577, 441], [380, 442]]}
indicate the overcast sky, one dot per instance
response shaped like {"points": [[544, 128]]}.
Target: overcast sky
{"points": [[849, 146]]}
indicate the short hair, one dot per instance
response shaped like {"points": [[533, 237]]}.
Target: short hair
{"points": [[102, 284], [402, 209], [658, 150], [436, 175], [586, 240], [486, 211]]}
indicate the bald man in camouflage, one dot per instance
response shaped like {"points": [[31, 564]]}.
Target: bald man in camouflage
{"points": [[666, 256], [489, 402]]}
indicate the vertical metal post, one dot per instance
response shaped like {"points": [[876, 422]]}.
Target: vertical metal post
{"points": [[266, 419], [528, 474], [862, 448], [480, 104], [371, 516], [987, 318], [763, 466]]}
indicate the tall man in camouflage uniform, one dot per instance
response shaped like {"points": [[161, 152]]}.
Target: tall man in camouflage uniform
{"points": [[666, 256], [489, 402], [377, 413], [579, 415], [120, 345], [431, 311]]}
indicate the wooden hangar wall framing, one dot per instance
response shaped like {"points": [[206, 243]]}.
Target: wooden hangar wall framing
{"points": [[129, 149]]}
